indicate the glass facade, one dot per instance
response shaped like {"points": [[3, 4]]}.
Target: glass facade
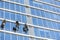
{"points": [[45, 24]]}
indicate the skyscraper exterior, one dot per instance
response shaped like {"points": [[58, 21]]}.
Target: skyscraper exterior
{"points": [[42, 17]]}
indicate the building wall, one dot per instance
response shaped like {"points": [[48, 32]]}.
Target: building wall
{"points": [[41, 16]]}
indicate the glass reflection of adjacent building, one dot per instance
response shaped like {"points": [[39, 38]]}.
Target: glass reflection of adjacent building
{"points": [[41, 16]]}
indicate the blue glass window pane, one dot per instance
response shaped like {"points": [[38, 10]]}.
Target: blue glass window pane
{"points": [[34, 21], [2, 35], [47, 14], [22, 9], [40, 22], [54, 9], [52, 35], [14, 37], [54, 25], [1, 13], [7, 26], [57, 36], [31, 2], [17, 7], [12, 16], [11, 26], [35, 4], [47, 33], [58, 25], [6, 5], [21, 1], [55, 16], [45, 23], [1, 4], [36, 31], [42, 13], [21, 28], [25, 38], [52, 16], [33, 11], [23, 18], [7, 36], [18, 17], [57, 2], [58, 17], [7, 15], [44, 6], [12, 6], [49, 23], [20, 38], [51, 8], [57, 9], [38, 12], [42, 33]]}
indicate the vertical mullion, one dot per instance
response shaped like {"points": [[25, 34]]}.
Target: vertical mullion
{"points": [[16, 18], [20, 14], [10, 23], [17, 37], [36, 14], [4, 18], [15, 10], [10, 30]]}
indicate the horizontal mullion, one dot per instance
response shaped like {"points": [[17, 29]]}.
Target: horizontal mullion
{"points": [[49, 4], [29, 15], [31, 25], [19, 34], [33, 7]]}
